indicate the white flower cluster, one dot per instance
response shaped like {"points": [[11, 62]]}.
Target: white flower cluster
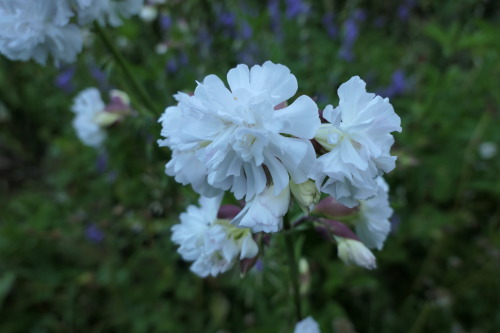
{"points": [[212, 244], [358, 138], [36, 29], [246, 139], [307, 325], [87, 105], [92, 115], [371, 221]]}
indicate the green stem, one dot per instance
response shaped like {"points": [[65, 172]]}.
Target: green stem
{"points": [[475, 138], [137, 86], [294, 274]]}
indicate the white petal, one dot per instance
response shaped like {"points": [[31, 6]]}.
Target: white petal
{"points": [[249, 248], [300, 119]]}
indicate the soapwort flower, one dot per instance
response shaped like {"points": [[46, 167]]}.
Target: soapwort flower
{"points": [[212, 244], [234, 139], [92, 115], [358, 140]]}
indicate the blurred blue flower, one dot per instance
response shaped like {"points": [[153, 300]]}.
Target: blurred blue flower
{"points": [[346, 54], [102, 161], [328, 22], [246, 30], [273, 7], [205, 40], [379, 22], [259, 265], [404, 9], [183, 59], [64, 80], [165, 22], [399, 85], [227, 19], [249, 55], [350, 31], [395, 223], [295, 8], [359, 15], [100, 77], [94, 234], [350, 34], [172, 65]]}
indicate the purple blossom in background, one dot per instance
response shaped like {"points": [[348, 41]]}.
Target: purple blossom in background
{"points": [[227, 19], [205, 42], [94, 234], [249, 54], [295, 8], [398, 85], [111, 176], [346, 54], [174, 63], [404, 9], [350, 31], [259, 265], [350, 34], [165, 22], [63, 80], [172, 66], [100, 77], [273, 8], [379, 22], [395, 223], [102, 161], [183, 59], [359, 15], [246, 30], [328, 22]]}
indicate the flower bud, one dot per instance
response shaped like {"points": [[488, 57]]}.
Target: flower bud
{"points": [[351, 251], [228, 211], [119, 102], [331, 207], [306, 194], [104, 118], [247, 264]]}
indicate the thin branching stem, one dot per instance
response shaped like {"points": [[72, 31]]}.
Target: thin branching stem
{"points": [[294, 274], [149, 106]]}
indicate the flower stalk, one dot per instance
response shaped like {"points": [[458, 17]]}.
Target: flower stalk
{"points": [[294, 274], [149, 106]]}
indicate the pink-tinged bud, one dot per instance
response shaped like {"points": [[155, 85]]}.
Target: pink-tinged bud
{"points": [[247, 264], [323, 232], [228, 212], [329, 206], [282, 105], [339, 229], [119, 102]]}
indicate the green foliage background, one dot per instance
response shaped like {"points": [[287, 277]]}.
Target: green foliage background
{"points": [[438, 271]]}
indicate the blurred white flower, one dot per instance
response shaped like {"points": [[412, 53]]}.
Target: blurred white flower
{"points": [[161, 48], [148, 13], [265, 211], [92, 115], [234, 139], [353, 252], [107, 11], [88, 106], [212, 244], [372, 219], [307, 325], [358, 140], [487, 150], [35, 29]]}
